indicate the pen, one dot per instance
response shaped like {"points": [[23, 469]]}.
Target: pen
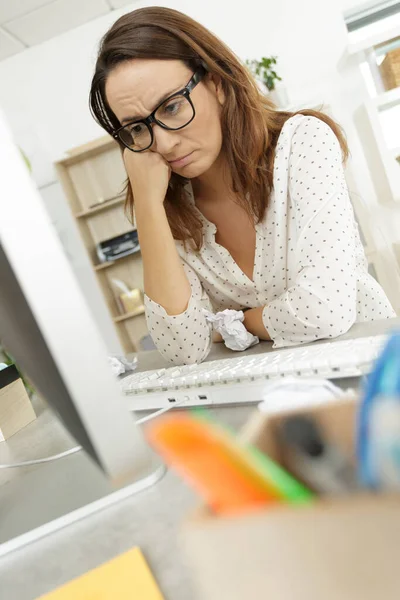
{"points": [[288, 488], [230, 477]]}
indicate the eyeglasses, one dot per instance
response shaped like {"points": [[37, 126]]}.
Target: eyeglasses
{"points": [[174, 113]]}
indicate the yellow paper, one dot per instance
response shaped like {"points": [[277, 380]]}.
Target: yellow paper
{"points": [[126, 577]]}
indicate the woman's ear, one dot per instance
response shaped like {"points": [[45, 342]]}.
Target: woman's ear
{"points": [[215, 83]]}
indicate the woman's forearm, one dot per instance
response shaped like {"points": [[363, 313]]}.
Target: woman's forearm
{"points": [[253, 322], [165, 281]]}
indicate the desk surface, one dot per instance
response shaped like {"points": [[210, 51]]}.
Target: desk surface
{"points": [[153, 360], [150, 519]]}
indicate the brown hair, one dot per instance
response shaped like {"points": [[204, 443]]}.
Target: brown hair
{"points": [[250, 124]]}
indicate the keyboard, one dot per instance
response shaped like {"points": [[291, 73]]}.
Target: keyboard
{"points": [[243, 378]]}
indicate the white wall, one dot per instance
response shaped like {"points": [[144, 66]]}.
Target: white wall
{"points": [[44, 90]]}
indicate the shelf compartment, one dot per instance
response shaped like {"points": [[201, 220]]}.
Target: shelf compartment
{"points": [[112, 263], [388, 99], [374, 40]]}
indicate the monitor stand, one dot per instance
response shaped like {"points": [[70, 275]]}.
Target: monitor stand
{"points": [[55, 494]]}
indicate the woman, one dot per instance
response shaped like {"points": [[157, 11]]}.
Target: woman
{"points": [[237, 205]]}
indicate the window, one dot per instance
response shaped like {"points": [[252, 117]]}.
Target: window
{"points": [[372, 18]]}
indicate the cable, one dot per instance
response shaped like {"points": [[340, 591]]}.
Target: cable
{"points": [[159, 412], [39, 461]]}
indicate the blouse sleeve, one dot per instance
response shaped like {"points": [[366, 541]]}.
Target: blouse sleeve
{"points": [[184, 338], [321, 303]]}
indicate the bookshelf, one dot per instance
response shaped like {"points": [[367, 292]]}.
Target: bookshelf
{"points": [[93, 179], [375, 114], [377, 120]]}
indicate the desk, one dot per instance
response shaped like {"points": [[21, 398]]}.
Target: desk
{"points": [[150, 520]]}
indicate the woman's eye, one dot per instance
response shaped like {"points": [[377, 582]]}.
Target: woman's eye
{"points": [[172, 109], [137, 129]]}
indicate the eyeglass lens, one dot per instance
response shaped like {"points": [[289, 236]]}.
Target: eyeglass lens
{"points": [[174, 113]]}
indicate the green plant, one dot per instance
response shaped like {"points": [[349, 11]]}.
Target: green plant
{"points": [[264, 70], [27, 161]]}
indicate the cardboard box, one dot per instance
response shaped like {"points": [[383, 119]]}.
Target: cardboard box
{"points": [[16, 409], [334, 549], [390, 69]]}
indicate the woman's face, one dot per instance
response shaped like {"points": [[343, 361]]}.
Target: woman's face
{"points": [[135, 88]]}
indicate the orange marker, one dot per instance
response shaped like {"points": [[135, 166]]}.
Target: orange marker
{"points": [[200, 454]]}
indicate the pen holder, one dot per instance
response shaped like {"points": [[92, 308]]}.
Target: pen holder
{"points": [[341, 548]]}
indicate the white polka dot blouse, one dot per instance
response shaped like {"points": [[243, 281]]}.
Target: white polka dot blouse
{"points": [[310, 270]]}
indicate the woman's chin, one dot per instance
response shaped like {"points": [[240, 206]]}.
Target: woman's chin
{"points": [[192, 170]]}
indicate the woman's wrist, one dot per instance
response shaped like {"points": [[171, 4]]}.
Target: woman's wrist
{"points": [[150, 218], [151, 204]]}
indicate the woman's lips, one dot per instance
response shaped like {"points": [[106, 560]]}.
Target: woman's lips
{"points": [[182, 161]]}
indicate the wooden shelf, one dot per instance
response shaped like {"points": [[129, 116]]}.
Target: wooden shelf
{"points": [[92, 172], [131, 315], [104, 265], [388, 99], [100, 208], [106, 140], [89, 150]]}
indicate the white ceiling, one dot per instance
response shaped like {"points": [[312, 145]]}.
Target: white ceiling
{"points": [[24, 23]]}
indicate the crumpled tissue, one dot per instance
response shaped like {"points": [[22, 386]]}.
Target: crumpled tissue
{"points": [[229, 324], [120, 364]]}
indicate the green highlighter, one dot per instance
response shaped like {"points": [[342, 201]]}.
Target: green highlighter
{"points": [[288, 488]]}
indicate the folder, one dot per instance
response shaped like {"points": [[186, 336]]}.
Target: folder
{"points": [[124, 578]]}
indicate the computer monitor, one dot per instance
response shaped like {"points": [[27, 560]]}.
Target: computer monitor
{"points": [[46, 324]]}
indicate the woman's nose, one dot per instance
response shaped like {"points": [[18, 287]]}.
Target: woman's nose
{"points": [[164, 140]]}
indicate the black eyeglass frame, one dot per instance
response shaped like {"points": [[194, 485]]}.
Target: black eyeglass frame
{"points": [[186, 91]]}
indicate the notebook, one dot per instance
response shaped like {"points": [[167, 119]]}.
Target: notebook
{"points": [[125, 577]]}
